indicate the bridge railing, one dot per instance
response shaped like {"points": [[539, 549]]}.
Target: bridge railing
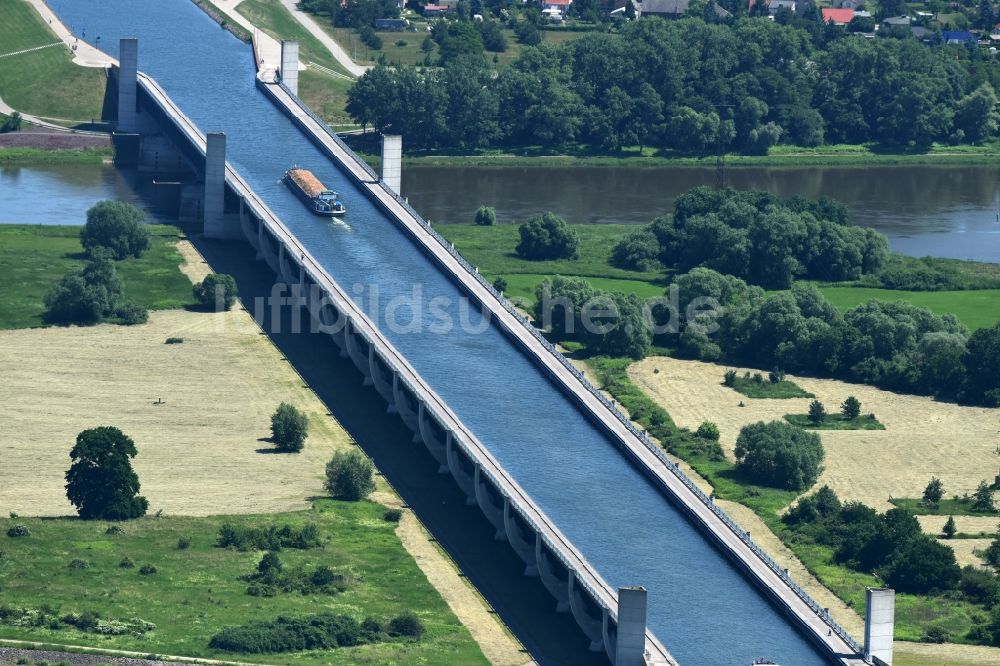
{"points": [[611, 405]]}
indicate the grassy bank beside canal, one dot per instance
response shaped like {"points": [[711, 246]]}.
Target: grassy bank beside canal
{"points": [[72, 566], [45, 83], [33, 258], [491, 249], [20, 156]]}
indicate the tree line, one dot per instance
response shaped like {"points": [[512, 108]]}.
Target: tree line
{"points": [[688, 87]]}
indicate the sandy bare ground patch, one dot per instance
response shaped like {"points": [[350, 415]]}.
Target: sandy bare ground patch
{"points": [[923, 438], [964, 550], [194, 267], [199, 452], [964, 524]]}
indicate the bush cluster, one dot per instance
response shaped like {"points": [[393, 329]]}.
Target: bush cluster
{"points": [[779, 454], [314, 632], [18, 530], [92, 295], [890, 543], [350, 476], [217, 292], [271, 577], [270, 537], [894, 345], [757, 237], [547, 236], [115, 226]]}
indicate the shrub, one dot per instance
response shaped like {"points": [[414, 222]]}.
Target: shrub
{"points": [[406, 624], [349, 476], [500, 284], [817, 412], [486, 216], [114, 530], [922, 565], [183, 543], [270, 562], [851, 408], [392, 515], [271, 537], [779, 454], [11, 123], [289, 428], [18, 530], [147, 570], [217, 292], [708, 430], [949, 528], [77, 563], [400, 43], [370, 38], [132, 314], [287, 634], [101, 483], [729, 379], [776, 376], [126, 563], [639, 251], [116, 226], [174, 341], [982, 499], [933, 492], [547, 237]]}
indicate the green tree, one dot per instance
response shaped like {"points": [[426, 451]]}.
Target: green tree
{"points": [[949, 528], [779, 454], [289, 428], [817, 412], [987, 15], [708, 430], [117, 226], [100, 483], [11, 123], [486, 216], [527, 33], [992, 553], [933, 492], [982, 499], [217, 292], [921, 566], [612, 324], [982, 366], [500, 284], [977, 115], [86, 297], [851, 408], [547, 236], [350, 476]]}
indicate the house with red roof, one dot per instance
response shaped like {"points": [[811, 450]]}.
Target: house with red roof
{"points": [[840, 16]]}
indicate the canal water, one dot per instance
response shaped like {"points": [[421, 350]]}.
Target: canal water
{"points": [[700, 606], [924, 210]]}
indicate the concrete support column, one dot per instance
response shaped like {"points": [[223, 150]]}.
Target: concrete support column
{"points": [[290, 65], [523, 546], [128, 74], [464, 480], [631, 636], [880, 612], [556, 585], [260, 240], [593, 627], [493, 512], [392, 161], [215, 186]]}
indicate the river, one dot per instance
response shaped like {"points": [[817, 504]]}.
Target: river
{"points": [[924, 210]]}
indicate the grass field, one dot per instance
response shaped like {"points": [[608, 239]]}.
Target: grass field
{"points": [[491, 249], [946, 507], [197, 591], [34, 257], [781, 390], [14, 156], [835, 422], [45, 83]]}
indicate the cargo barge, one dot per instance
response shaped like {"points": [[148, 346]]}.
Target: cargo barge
{"points": [[313, 193]]}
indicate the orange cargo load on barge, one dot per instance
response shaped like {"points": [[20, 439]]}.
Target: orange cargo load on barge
{"points": [[307, 182]]}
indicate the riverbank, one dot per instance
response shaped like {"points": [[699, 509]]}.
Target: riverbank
{"points": [[29, 156], [780, 156]]}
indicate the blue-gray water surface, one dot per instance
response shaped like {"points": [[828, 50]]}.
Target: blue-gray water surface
{"points": [[699, 604]]}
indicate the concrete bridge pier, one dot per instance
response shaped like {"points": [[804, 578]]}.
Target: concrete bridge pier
{"points": [[522, 540], [880, 617], [587, 614], [128, 86], [407, 410], [463, 477], [290, 65], [553, 574], [354, 351], [437, 446], [491, 502], [627, 643], [217, 224], [392, 161], [379, 380]]}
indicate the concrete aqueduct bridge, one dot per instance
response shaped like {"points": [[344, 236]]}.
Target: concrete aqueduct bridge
{"points": [[233, 210]]}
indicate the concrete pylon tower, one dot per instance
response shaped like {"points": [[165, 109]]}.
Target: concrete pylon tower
{"points": [[290, 65], [215, 185], [631, 641], [128, 73], [880, 611], [392, 161]]}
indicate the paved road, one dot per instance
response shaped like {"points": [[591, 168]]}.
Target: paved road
{"points": [[335, 49], [84, 54]]}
